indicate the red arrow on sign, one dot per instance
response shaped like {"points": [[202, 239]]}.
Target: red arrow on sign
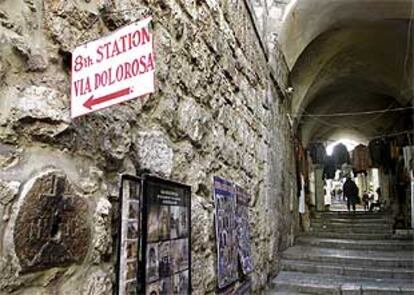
{"points": [[94, 101]]}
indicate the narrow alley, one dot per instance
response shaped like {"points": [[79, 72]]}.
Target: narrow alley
{"points": [[206, 147]]}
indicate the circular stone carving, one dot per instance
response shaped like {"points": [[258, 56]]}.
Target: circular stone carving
{"points": [[52, 227]]}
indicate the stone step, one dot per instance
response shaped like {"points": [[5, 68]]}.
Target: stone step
{"points": [[350, 229], [358, 258], [281, 292], [350, 271], [338, 285], [355, 221], [352, 224], [356, 236], [358, 214], [352, 218], [384, 245]]}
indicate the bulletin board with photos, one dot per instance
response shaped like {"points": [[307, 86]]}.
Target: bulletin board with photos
{"points": [[129, 231], [226, 231], [166, 237], [232, 235]]}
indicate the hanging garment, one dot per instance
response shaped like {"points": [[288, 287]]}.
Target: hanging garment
{"points": [[395, 150], [340, 155], [302, 196], [380, 154], [329, 168], [361, 159], [408, 152], [376, 150], [317, 152], [402, 175]]}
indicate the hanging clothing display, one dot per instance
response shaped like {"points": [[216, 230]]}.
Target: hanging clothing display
{"points": [[317, 153], [402, 173], [380, 154], [340, 155], [361, 160], [376, 150], [329, 168], [394, 150], [300, 161], [408, 152], [302, 196]]}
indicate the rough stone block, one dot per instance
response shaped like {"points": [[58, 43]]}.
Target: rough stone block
{"points": [[51, 227], [154, 152], [40, 110], [193, 120], [8, 191]]}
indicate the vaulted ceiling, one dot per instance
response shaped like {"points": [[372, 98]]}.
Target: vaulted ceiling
{"points": [[349, 56]]}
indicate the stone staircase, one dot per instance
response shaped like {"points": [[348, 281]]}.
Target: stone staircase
{"points": [[347, 254]]}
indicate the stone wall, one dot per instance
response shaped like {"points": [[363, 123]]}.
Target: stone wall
{"points": [[268, 18], [216, 111]]}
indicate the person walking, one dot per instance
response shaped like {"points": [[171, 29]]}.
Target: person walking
{"points": [[377, 203], [365, 200], [350, 191]]}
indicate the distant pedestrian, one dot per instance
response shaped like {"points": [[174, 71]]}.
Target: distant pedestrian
{"points": [[350, 191], [378, 202]]}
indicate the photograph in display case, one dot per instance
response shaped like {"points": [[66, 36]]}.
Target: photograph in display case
{"points": [[153, 224], [164, 223], [165, 259], [180, 254], [167, 241], [243, 230], [152, 262], [180, 282]]}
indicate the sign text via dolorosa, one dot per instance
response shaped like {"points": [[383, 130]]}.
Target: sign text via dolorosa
{"points": [[113, 69]]}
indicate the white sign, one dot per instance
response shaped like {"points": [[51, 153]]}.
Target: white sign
{"points": [[113, 69]]}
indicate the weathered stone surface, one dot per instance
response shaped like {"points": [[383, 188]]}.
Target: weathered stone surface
{"points": [[7, 22], [93, 280], [98, 283], [9, 274], [70, 24], [52, 227], [102, 240], [38, 110], [192, 120], [35, 58], [8, 191], [4, 68], [154, 152], [9, 156], [202, 236], [116, 144]]}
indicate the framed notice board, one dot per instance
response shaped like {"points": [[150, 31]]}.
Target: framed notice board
{"points": [[166, 237], [226, 232], [129, 229]]}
